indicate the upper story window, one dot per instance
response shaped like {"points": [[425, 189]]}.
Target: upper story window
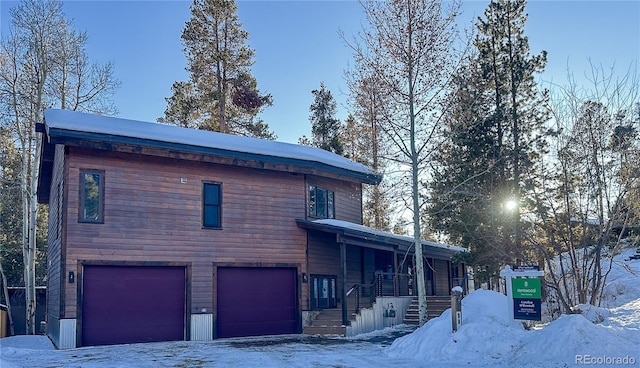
{"points": [[321, 202], [212, 205], [91, 196]]}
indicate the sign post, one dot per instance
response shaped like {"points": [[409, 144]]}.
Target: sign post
{"points": [[456, 307], [524, 291]]}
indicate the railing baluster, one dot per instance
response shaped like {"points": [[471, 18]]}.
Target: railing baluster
{"points": [[399, 284]]}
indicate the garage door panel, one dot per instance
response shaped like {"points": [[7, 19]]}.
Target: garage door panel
{"points": [[127, 304], [256, 301], [254, 315]]}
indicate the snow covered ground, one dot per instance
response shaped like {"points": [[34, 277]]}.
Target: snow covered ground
{"points": [[487, 338]]}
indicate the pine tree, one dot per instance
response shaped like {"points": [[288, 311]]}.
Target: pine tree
{"points": [[325, 127], [365, 142], [496, 134], [466, 181], [221, 94]]}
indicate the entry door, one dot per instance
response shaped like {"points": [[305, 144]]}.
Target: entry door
{"points": [[323, 292]]}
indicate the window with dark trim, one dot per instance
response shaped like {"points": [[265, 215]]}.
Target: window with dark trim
{"points": [[91, 196], [212, 205], [321, 202]]}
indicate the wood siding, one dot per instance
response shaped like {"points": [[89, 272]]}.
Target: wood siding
{"points": [[441, 276], [324, 259], [152, 215], [55, 236], [354, 266], [323, 254]]}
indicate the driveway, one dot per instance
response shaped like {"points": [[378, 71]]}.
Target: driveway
{"points": [[273, 351]]}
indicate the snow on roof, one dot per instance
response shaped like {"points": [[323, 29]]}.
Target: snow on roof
{"points": [[376, 232], [117, 127]]}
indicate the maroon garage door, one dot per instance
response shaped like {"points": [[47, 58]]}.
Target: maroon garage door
{"points": [[256, 301], [127, 304]]}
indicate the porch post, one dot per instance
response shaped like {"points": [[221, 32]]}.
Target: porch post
{"points": [[343, 276], [396, 282]]}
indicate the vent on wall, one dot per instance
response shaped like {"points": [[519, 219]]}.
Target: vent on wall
{"points": [[67, 334], [201, 327]]}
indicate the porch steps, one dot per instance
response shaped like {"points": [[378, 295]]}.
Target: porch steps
{"points": [[328, 322], [435, 306]]}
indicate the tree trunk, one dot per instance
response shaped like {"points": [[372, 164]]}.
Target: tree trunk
{"points": [[422, 293], [30, 285], [417, 239], [26, 243], [29, 217]]}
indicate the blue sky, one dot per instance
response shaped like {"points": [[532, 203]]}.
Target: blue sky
{"points": [[297, 46]]}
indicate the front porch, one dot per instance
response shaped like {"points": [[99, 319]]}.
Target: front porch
{"points": [[362, 279], [384, 312]]}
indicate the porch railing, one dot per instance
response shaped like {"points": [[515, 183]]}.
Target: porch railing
{"points": [[386, 284], [394, 284], [357, 293], [383, 284]]}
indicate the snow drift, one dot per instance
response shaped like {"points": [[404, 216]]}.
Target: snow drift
{"points": [[490, 337]]}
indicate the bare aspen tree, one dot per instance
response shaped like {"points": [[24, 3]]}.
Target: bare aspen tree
{"points": [[591, 188], [44, 64], [409, 47]]}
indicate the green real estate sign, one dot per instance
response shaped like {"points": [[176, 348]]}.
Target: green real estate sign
{"points": [[526, 288]]}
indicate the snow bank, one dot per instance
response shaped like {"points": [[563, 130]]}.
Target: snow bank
{"points": [[490, 337], [26, 342], [16, 346], [486, 335], [572, 337], [622, 284], [592, 313]]}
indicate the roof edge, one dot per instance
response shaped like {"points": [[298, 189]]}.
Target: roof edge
{"points": [[344, 227], [67, 137], [66, 126]]}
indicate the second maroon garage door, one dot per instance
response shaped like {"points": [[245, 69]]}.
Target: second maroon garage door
{"points": [[128, 304], [256, 301]]}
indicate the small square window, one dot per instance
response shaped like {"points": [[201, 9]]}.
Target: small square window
{"points": [[212, 205], [91, 196]]}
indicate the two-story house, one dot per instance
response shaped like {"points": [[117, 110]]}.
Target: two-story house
{"points": [[160, 233]]}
